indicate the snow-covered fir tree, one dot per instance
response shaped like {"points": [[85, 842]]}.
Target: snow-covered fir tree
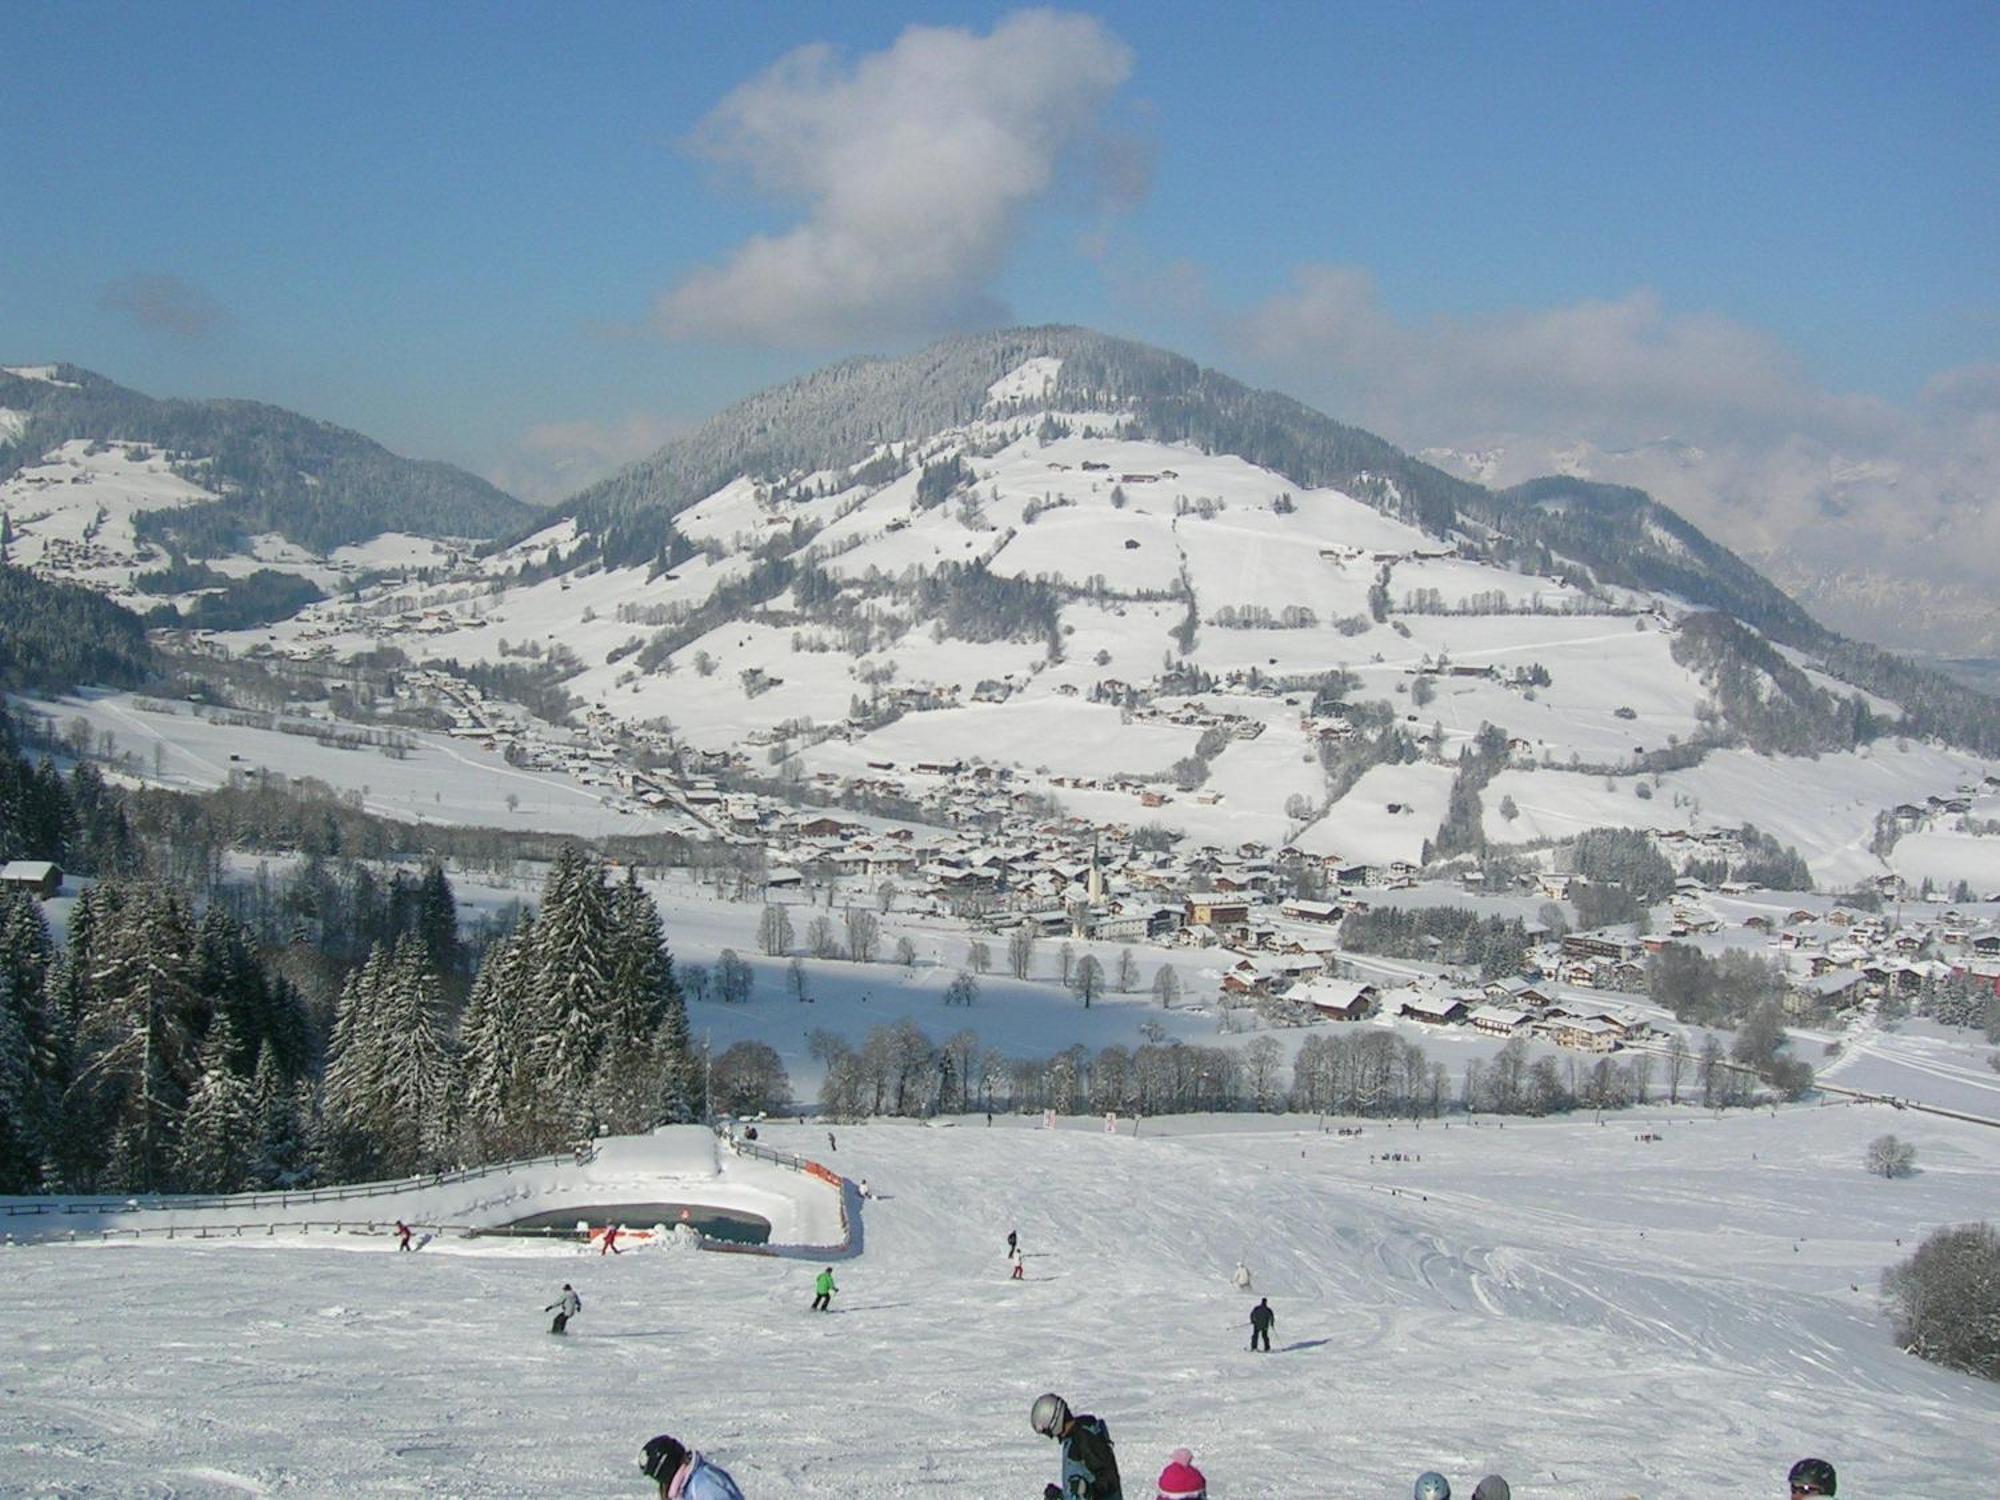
{"points": [[573, 997], [140, 1027], [218, 1138]]}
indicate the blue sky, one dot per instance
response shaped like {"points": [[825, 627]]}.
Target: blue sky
{"points": [[522, 236]]}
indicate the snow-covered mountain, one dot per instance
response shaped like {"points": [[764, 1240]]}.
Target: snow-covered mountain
{"points": [[105, 486], [1903, 561], [1115, 580]]}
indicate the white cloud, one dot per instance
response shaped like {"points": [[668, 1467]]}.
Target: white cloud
{"points": [[1852, 500], [916, 167], [553, 460]]}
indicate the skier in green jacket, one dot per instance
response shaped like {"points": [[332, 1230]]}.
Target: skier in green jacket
{"points": [[823, 1290]]}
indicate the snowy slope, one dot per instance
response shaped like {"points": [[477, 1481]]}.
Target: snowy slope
{"points": [[1151, 558], [1585, 1313]]}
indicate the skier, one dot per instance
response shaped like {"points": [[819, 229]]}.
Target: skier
{"points": [[1492, 1487], [1013, 1240], [865, 1190], [1813, 1476], [823, 1290], [1433, 1486], [1261, 1321], [610, 1244], [831, 1144], [402, 1235], [685, 1474], [1180, 1479], [1089, 1467], [565, 1307], [1242, 1277]]}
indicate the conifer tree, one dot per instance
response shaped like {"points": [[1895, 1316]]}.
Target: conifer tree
{"points": [[33, 1054], [415, 1104], [217, 1145], [493, 1043], [282, 1158], [138, 1032], [437, 921], [349, 1133], [573, 1022]]}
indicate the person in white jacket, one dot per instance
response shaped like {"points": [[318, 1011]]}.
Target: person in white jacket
{"points": [[1242, 1277], [565, 1307], [683, 1474]]}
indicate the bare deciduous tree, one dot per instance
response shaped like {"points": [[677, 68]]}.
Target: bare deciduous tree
{"points": [[863, 933], [1891, 1156]]}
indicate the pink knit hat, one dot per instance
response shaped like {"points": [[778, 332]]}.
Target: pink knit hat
{"points": [[1180, 1479]]}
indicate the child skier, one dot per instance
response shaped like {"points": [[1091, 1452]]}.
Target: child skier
{"points": [[683, 1473], [823, 1290]]}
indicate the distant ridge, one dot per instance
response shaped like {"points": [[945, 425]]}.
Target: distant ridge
{"points": [[314, 483]]}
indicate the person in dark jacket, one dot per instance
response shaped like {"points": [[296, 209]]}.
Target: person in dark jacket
{"points": [[1089, 1466], [684, 1474], [1262, 1319]]}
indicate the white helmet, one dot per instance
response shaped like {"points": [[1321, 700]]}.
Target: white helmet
{"points": [[1049, 1414]]}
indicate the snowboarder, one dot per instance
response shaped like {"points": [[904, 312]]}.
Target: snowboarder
{"points": [[610, 1242], [1180, 1479], [1433, 1486], [1242, 1277], [1493, 1487], [565, 1307], [1261, 1321], [1089, 1466], [402, 1235], [683, 1473], [864, 1189], [1813, 1476], [823, 1290]]}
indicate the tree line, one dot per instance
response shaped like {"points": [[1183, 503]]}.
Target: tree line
{"points": [[160, 1050]]}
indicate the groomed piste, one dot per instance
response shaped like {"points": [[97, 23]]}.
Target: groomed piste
{"points": [[1588, 1312]]}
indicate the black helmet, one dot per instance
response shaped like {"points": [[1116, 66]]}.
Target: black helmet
{"points": [[1813, 1476], [662, 1458]]}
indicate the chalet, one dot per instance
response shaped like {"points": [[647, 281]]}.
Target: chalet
{"points": [[1336, 999], [1311, 911], [1582, 1034], [1602, 944], [1247, 976], [1517, 991], [1434, 1010], [1982, 976], [1808, 997], [37, 877], [1214, 909], [1499, 1020]]}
